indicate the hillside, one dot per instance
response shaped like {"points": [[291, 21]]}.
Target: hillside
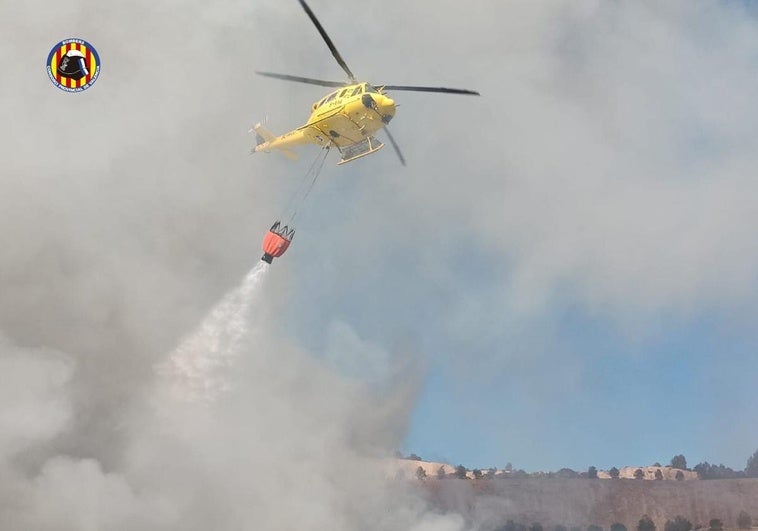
{"points": [[581, 502]]}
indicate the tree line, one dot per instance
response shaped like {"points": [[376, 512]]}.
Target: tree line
{"points": [[704, 470]]}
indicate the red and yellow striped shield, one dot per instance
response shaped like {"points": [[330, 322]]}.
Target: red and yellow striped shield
{"points": [[73, 65]]}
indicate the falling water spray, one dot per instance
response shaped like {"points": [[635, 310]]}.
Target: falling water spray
{"points": [[197, 369]]}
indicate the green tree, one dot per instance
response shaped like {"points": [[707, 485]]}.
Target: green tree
{"points": [[536, 526], [414, 457], [744, 521], [751, 470], [441, 472], [704, 470], [679, 475], [491, 473], [614, 472], [594, 527], [618, 527], [592, 472], [477, 473], [707, 471], [420, 473], [658, 474], [645, 524], [460, 472], [680, 523], [716, 525], [639, 474], [560, 527], [678, 461], [567, 473]]}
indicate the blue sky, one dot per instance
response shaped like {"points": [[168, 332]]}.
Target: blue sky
{"points": [[687, 390]]}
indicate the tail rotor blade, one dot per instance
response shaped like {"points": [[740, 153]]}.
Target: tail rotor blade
{"points": [[327, 40], [394, 145]]}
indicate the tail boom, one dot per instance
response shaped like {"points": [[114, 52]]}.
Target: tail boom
{"points": [[267, 141]]}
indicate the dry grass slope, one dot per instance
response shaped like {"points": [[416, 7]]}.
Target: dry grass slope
{"points": [[581, 502]]}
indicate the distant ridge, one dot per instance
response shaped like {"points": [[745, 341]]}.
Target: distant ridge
{"points": [[407, 467]]}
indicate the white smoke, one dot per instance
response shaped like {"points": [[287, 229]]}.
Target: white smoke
{"points": [[32, 407], [127, 210], [241, 429]]}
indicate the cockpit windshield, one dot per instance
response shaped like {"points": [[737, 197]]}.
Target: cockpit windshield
{"points": [[329, 98], [371, 88]]}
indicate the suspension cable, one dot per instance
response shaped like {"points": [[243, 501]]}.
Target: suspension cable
{"points": [[298, 190], [315, 169]]}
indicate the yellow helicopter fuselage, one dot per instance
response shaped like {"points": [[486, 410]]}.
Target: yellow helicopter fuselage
{"points": [[346, 118]]}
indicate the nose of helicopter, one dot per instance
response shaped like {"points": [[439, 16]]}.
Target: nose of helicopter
{"points": [[386, 107]]}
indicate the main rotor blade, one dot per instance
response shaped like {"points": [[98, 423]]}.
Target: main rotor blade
{"points": [[328, 41], [394, 145], [310, 81], [431, 89]]}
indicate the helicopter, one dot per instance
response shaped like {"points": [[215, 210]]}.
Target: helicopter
{"points": [[346, 118]]}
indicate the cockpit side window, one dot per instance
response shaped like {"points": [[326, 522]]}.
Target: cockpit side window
{"points": [[356, 91], [343, 93], [370, 88], [330, 97]]}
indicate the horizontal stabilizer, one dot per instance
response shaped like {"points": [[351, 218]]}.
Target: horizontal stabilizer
{"points": [[288, 153]]}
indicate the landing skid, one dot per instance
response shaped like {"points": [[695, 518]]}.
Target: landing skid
{"points": [[361, 149]]}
